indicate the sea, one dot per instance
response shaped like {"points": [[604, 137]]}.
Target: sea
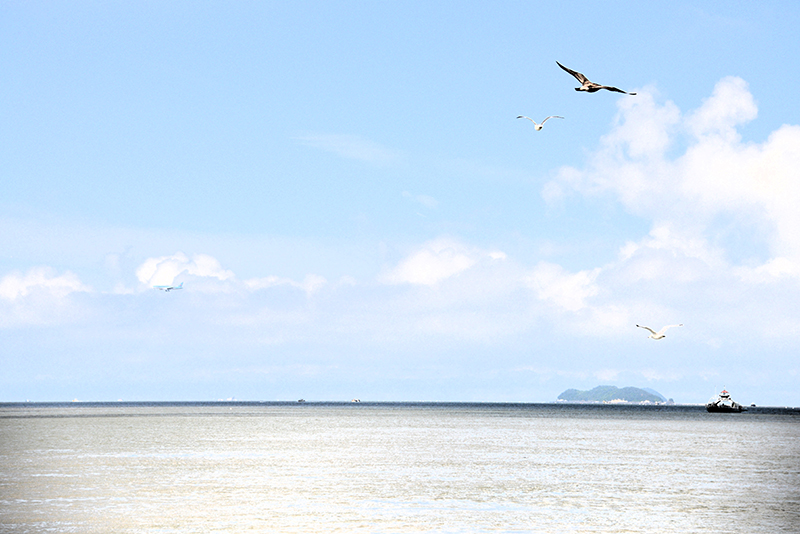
{"points": [[360, 467]]}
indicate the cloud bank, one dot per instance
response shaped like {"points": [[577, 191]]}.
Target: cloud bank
{"points": [[754, 184], [39, 297], [704, 190], [15, 285]]}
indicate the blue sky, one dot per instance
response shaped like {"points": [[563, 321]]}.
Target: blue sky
{"points": [[355, 212]]}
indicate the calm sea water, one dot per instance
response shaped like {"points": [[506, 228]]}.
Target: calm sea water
{"points": [[401, 468]]}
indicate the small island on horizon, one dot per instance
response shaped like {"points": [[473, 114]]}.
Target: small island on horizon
{"points": [[615, 395]]}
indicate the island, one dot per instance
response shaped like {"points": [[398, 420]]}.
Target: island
{"points": [[613, 394]]}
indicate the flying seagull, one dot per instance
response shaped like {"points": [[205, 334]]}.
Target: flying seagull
{"points": [[660, 334], [536, 125], [589, 86]]}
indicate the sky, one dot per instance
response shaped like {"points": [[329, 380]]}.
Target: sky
{"points": [[355, 211]]}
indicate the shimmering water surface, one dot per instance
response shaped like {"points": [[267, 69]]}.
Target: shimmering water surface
{"points": [[319, 467]]}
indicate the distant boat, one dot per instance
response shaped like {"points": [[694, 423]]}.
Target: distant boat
{"points": [[723, 403], [301, 400]]}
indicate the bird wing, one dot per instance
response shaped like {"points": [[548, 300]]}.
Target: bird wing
{"points": [[668, 326], [552, 117], [646, 328], [578, 76], [530, 119], [615, 89]]}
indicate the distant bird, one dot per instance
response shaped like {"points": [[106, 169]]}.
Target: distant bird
{"points": [[660, 334], [536, 125], [588, 86]]}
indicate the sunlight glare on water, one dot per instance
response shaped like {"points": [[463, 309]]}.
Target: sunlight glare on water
{"points": [[305, 468]]}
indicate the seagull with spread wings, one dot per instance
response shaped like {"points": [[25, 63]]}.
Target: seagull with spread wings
{"points": [[588, 86], [660, 334], [536, 125]]}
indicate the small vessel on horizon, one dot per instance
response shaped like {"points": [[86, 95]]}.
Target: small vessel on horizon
{"points": [[723, 403]]}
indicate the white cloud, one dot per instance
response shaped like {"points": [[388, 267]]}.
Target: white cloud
{"points": [[310, 284], [15, 285], [435, 261], [723, 249], [664, 254], [771, 271], [164, 270], [647, 129], [755, 184], [122, 289], [731, 104], [39, 297], [351, 147], [567, 290], [427, 201]]}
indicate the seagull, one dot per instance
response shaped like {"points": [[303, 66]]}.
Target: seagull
{"points": [[660, 334], [536, 125], [588, 86]]}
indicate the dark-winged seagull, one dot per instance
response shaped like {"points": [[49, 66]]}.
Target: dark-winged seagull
{"points": [[660, 334], [536, 125], [588, 86]]}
